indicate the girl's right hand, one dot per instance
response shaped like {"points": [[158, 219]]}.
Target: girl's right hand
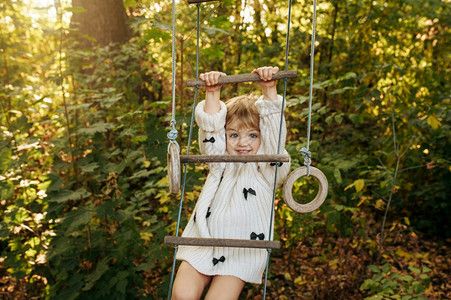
{"points": [[211, 80]]}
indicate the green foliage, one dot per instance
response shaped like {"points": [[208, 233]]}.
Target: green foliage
{"points": [[83, 143], [388, 284]]}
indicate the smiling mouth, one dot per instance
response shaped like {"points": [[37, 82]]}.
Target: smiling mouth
{"points": [[243, 152]]}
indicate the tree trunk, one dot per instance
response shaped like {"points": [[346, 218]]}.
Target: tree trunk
{"points": [[103, 22]]}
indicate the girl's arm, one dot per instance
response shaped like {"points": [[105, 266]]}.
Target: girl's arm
{"points": [[213, 90], [210, 117], [270, 113], [270, 107], [269, 88]]}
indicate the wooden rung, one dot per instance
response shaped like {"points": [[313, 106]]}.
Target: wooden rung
{"points": [[199, 1], [234, 243], [234, 158], [243, 78]]}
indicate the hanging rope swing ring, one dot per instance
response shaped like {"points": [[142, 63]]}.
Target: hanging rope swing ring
{"points": [[174, 168], [315, 203]]}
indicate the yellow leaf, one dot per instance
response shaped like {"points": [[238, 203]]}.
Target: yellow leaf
{"points": [[299, 281], [404, 254], [287, 276], [407, 221], [352, 184], [333, 263], [359, 184], [363, 199], [379, 204], [433, 122]]}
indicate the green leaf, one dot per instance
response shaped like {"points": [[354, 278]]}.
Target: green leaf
{"points": [[374, 268], [96, 127], [78, 217], [89, 168], [418, 287], [6, 189], [378, 277], [433, 122], [407, 278], [338, 118], [342, 90], [122, 282], [329, 119], [101, 268], [367, 284], [357, 119], [426, 279], [385, 268], [5, 159], [109, 101], [141, 173], [414, 270], [69, 195], [337, 176]]}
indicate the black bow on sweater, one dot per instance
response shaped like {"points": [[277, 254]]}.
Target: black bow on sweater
{"points": [[215, 260], [211, 140], [248, 191], [276, 163], [208, 214], [260, 236]]}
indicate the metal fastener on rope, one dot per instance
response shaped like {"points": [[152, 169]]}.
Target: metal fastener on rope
{"points": [[307, 160]]}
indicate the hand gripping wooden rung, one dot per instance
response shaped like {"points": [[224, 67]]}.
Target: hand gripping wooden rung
{"points": [[251, 77], [275, 158], [234, 243]]}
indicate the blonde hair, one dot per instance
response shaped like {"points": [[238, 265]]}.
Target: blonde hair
{"points": [[243, 108]]}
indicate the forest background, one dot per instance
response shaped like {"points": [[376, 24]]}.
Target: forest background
{"points": [[85, 108]]}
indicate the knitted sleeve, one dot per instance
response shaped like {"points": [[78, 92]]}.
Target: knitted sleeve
{"points": [[270, 114], [212, 139]]}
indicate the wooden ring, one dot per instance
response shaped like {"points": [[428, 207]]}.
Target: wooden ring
{"points": [[173, 168], [315, 203]]}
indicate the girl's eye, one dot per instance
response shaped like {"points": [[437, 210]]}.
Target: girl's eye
{"points": [[234, 135], [253, 135]]}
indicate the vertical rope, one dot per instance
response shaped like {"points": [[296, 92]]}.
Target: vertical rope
{"points": [[271, 225], [173, 59], [305, 151], [172, 135], [185, 171]]}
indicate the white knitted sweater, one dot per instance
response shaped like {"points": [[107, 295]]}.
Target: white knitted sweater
{"points": [[236, 200]]}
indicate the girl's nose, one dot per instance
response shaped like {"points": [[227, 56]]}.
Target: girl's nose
{"points": [[243, 141]]}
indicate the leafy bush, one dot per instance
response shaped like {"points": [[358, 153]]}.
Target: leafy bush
{"points": [[387, 284]]}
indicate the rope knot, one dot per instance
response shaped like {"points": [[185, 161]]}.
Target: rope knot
{"points": [[307, 159], [172, 135]]}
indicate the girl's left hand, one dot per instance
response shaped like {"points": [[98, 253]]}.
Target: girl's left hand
{"points": [[265, 74]]}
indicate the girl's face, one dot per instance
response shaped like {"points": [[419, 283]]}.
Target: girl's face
{"points": [[242, 140]]}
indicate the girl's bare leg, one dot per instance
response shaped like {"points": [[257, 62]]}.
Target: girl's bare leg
{"points": [[189, 284], [224, 288]]}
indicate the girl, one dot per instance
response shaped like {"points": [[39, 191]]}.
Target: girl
{"points": [[236, 200]]}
